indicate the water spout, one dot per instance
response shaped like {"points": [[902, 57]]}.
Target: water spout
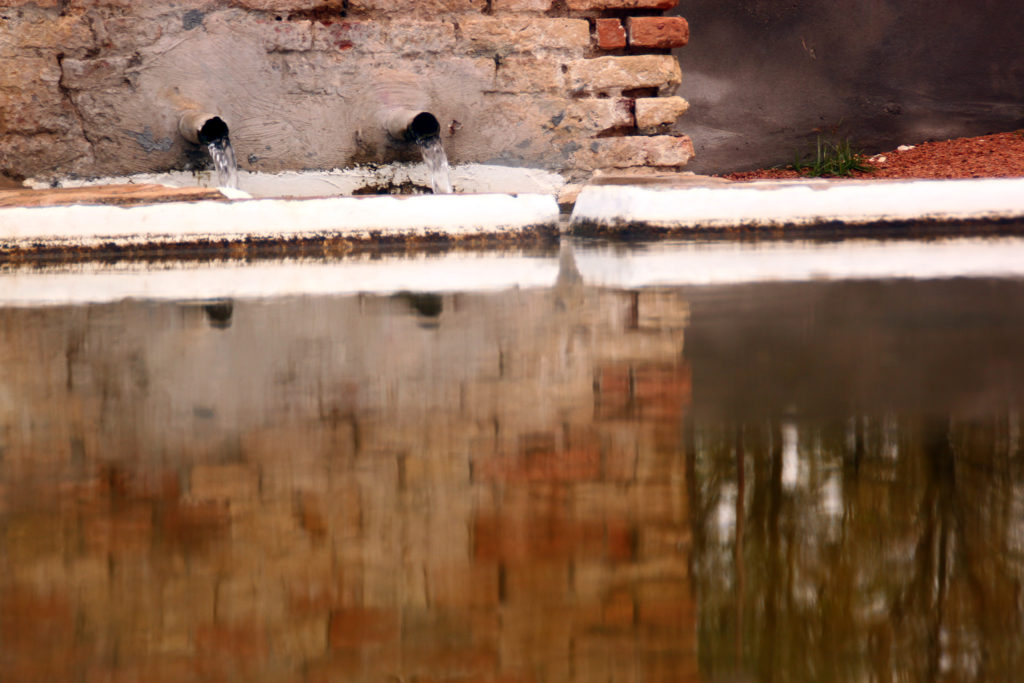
{"points": [[422, 129], [210, 130]]}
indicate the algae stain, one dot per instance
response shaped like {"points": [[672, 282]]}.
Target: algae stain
{"points": [[148, 142]]}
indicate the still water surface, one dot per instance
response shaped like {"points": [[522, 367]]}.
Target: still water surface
{"points": [[817, 481]]}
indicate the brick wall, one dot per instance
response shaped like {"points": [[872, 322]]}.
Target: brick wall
{"points": [[96, 87], [343, 489]]}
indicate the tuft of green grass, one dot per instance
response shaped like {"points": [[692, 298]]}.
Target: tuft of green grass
{"points": [[831, 159]]}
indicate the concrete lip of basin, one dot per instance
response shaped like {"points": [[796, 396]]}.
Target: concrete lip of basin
{"points": [[619, 206], [373, 218], [341, 207]]}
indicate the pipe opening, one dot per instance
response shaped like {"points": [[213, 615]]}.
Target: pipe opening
{"points": [[423, 127], [213, 129]]}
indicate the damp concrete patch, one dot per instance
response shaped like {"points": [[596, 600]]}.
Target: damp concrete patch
{"points": [[404, 178], [370, 219], [680, 207]]}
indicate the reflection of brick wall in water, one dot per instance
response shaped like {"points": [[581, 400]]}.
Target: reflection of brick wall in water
{"points": [[345, 489]]}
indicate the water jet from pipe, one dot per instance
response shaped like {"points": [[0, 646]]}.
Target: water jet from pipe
{"points": [[210, 131], [422, 129]]}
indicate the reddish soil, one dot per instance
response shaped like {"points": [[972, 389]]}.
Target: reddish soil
{"points": [[987, 156]]}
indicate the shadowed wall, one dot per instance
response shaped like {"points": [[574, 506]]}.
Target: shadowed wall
{"points": [[764, 78]]}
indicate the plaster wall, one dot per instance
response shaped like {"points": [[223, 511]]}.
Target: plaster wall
{"points": [[765, 78], [96, 87]]}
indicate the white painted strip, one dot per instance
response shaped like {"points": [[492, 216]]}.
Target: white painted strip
{"points": [[181, 280], [780, 203], [719, 263], [356, 217]]}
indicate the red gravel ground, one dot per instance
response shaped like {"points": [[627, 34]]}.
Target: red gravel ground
{"points": [[987, 156]]}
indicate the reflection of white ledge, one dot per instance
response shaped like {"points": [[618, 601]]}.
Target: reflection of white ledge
{"points": [[727, 262], [94, 282], [369, 217], [614, 266], [796, 203]]}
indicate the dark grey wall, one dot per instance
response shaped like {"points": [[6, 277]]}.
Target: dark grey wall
{"points": [[763, 77]]}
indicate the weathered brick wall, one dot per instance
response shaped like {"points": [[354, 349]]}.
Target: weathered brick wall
{"points": [[95, 87], [336, 489]]}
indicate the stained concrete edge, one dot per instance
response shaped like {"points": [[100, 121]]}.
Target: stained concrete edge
{"points": [[366, 218], [465, 178], [712, 205]]}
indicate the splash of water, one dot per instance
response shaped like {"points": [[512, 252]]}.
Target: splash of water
{"points": [[223, 155], [437, 164]]}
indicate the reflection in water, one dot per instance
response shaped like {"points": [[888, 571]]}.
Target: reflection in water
{"points": [[328, 489], [218, 313], [856, 472], [870, 568], [517, 486]]}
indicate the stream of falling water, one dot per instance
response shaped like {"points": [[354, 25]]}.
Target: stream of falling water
{"points": [[223, 155], [437, 164]]}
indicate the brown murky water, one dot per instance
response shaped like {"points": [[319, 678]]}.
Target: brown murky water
{"points": [[778, 482]]}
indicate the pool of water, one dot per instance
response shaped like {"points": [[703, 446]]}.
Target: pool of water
{"points": [[592, 472]]}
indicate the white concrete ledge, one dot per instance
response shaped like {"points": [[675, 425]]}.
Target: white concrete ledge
{"points": [[357, 218], [614, 208]]}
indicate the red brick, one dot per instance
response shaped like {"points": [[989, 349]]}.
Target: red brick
{"points": [[482, 678], [658, 32], [582, 463], [610, 34], [456, 662], [313, 596], [620, 541], [230, 652], [156, 669], [666, 614], [192, 523], [422, 7], [126, 530], [37, 636], [142, 484], [588, 5], [463, 585], [355, 664], [541, 582], [618, 609], [310, 515], [238, 642], [34, 623], [357, 626], [521, 5], [20, 3], [544, 538], [662, 392], [236, 483]]}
